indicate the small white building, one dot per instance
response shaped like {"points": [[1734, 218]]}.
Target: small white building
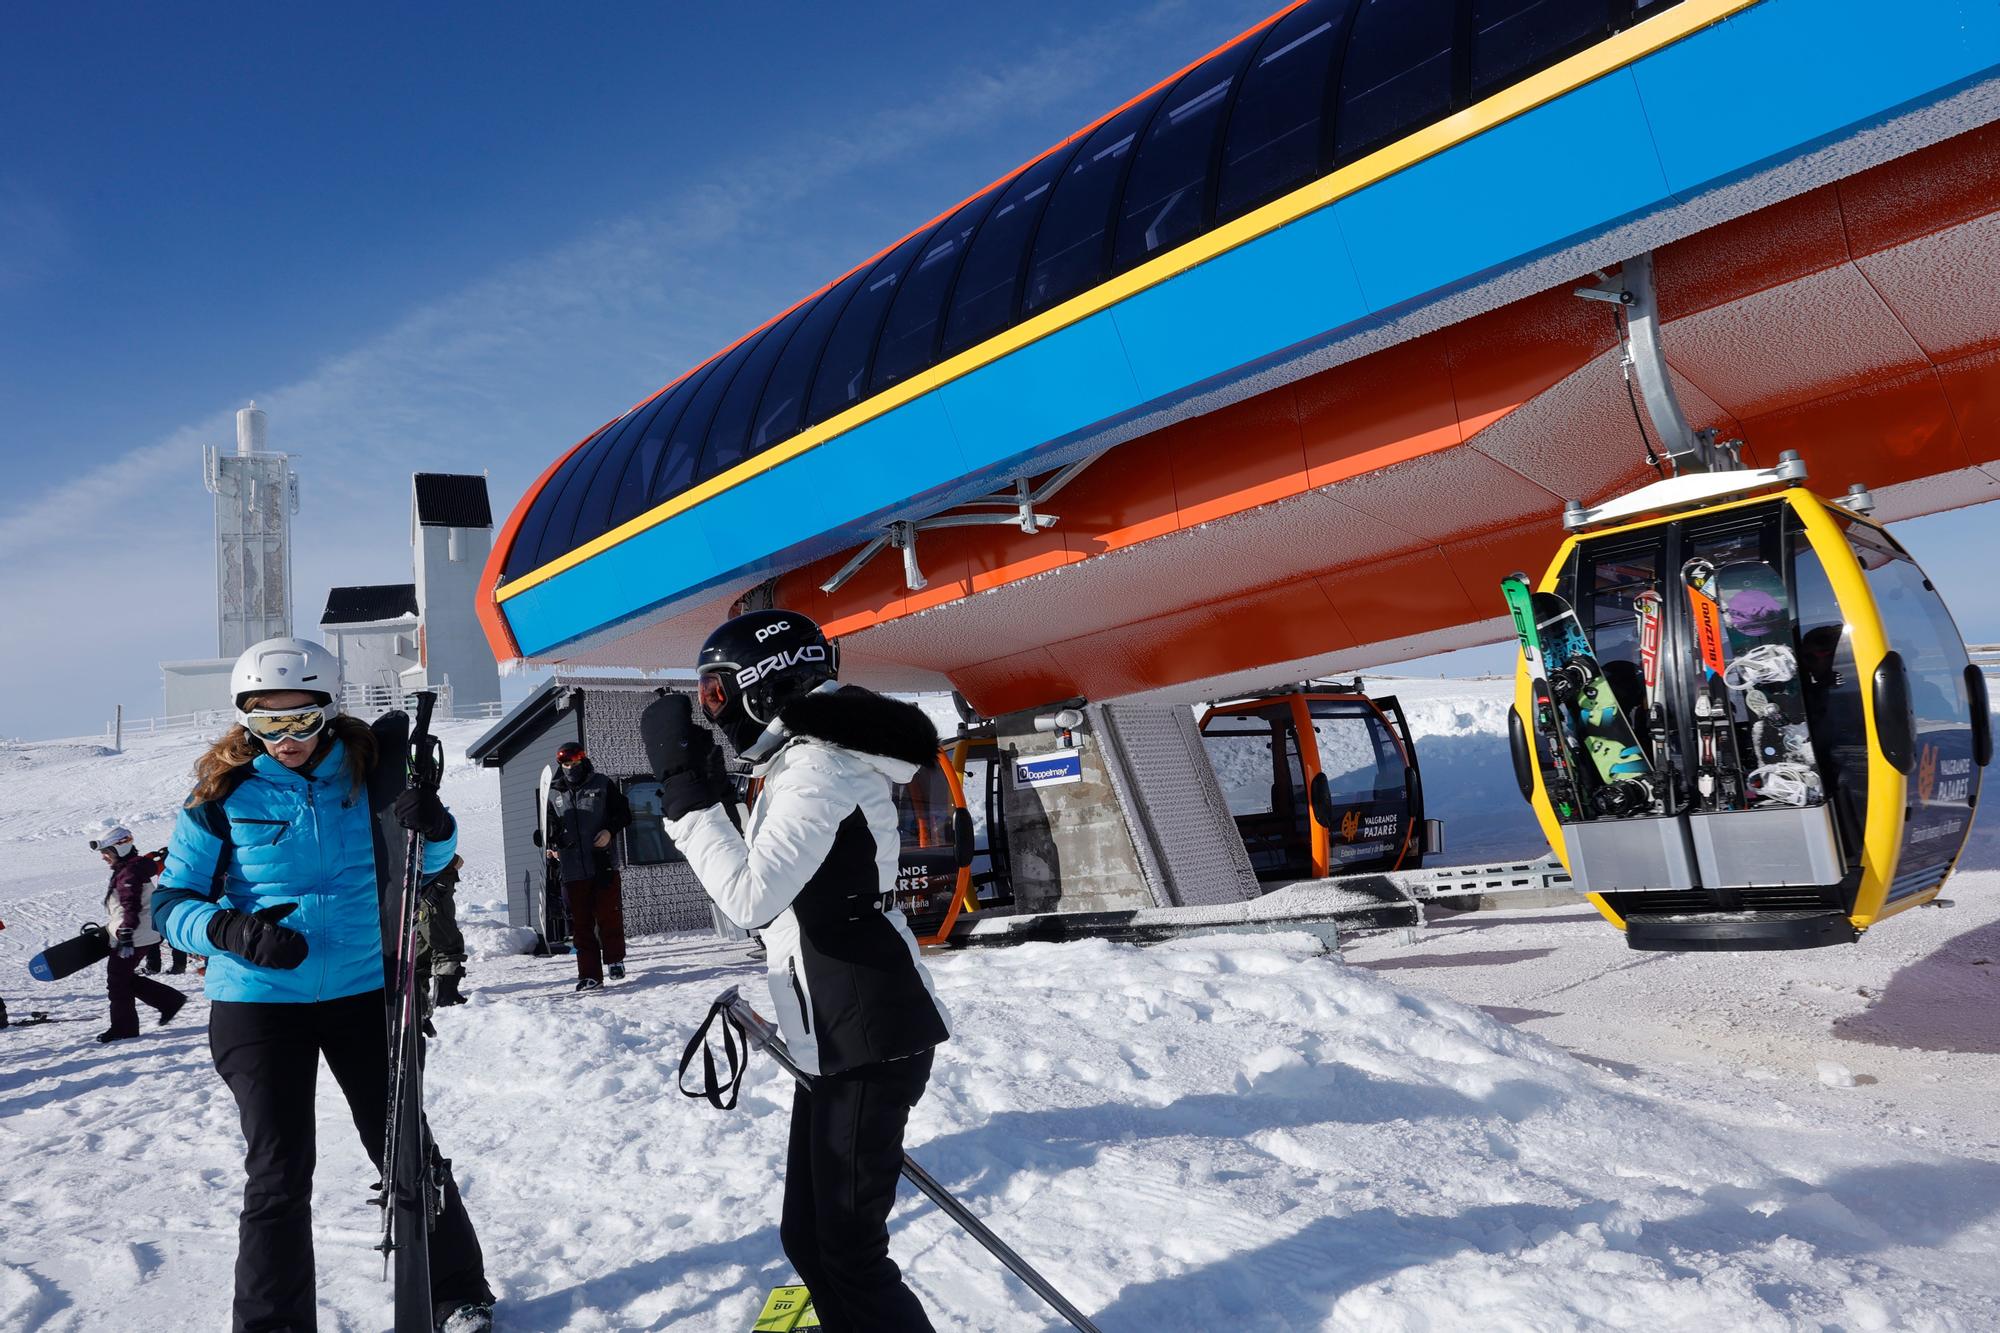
{"points": [[375, 631], [451, 532]]}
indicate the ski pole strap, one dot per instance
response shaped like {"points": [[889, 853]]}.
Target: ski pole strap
{"points": [[719, 1093]]}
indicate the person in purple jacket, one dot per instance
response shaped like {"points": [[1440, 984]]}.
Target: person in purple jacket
{"points": [[128, 905]]}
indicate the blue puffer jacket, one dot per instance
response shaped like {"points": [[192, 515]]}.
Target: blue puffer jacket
{"points": [[292, 837]]}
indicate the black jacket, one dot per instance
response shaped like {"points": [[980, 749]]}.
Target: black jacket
{"points": [[580, 807]]}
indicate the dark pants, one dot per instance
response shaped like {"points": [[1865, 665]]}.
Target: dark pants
{"points": [[122, 980], [151, 953], [597, 922], [840, 1183], [269, 1056]]}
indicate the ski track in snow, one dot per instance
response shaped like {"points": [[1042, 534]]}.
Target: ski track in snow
{"points": [[1223, 1133]]}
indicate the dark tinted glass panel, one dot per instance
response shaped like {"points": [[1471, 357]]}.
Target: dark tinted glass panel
{"points": [[729, 433], [782, 413], [1396, 75], [685, 445], [983, 298], [1070, 249], [565, 502], [636, 484], [1513, 38], [1272, 144], [843, 371], [910, 334], [591, 517], [522, 555], [1166, 196]]}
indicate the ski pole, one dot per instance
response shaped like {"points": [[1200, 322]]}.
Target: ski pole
{"points": [[757, 1029]]}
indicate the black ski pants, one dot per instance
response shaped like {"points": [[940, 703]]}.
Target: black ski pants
{"points": [[269, 1056], [124, 984], [841, 1171]]}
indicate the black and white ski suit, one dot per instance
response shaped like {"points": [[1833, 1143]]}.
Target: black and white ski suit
{"points": [[815, 871]]}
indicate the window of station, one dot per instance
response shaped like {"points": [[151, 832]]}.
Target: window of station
{"points": [[729, 434], [564, 502], [983, 298], [783, 411], [1511, 38], [1166, 196], [1070, 247], [843, 372], [592, 518], [637, 482], [1272, 144], [691, 431], [910, 334], [528, 540], [1396, 75]]}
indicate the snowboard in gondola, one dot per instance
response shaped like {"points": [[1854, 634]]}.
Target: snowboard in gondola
{"points": [[1718, 759], [1552, 746], [90, 945], [1627, 780]]}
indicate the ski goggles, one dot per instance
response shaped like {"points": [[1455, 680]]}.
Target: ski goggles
{"points": [[713, 694], [291, 724]]}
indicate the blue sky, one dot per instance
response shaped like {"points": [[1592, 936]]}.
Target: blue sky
{"points": [[454, 238]]}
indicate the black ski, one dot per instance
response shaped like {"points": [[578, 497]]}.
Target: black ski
{"points": [[414, 1198], [1718, 760]]}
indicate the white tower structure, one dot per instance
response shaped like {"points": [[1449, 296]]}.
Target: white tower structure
{"points": [[256, 493]]}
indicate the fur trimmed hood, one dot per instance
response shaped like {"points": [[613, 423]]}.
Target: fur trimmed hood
{"points": [[864, 722]]}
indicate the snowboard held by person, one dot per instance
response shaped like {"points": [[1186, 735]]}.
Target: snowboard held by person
{"points": [[128, 906], [814, 869], [586, 813], [284, 862]]}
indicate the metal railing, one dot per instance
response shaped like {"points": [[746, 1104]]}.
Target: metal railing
{"points": [[365, 702]]}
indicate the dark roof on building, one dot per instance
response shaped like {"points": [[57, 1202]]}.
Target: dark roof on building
{"points": [[450, 500], [369, 603]]}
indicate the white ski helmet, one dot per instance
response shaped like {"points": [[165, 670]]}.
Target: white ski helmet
{"points": [[286, 664]]}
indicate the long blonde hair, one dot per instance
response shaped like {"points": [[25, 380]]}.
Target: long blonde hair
{"points": [[237, 748]]}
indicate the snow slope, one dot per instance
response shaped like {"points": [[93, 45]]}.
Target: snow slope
{"points": [[1230, 1132]]}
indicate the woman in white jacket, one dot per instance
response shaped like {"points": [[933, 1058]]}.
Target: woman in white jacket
{"points": [[814, 870]]}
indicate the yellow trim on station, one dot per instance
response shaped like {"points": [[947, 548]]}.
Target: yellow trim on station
{"points": [[1605, 57]]}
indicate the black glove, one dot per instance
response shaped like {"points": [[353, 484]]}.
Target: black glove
{"points": [[124, 948], [257, 938], [421, 811], [683, 756]]}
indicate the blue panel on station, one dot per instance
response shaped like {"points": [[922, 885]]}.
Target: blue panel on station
{"points": [[611, 586], [906, 452], [1040, 393], [1570, 168], [1824, 66], [1282, 288]]}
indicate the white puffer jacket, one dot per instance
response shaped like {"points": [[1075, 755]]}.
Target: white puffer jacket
{"points": [[815, 872]]}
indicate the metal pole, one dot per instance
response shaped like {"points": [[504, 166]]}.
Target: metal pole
{"points": [[759, 1030], [119, 743]]}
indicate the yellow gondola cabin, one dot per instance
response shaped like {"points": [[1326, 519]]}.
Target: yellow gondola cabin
{"points": [[1823, 666]]}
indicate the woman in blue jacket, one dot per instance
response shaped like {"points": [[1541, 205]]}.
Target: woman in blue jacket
{"points": [[283, 865]]}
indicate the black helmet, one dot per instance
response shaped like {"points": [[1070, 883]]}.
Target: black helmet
{"points": [[755, 664]]}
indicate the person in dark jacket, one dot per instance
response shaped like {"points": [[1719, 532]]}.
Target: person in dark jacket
{"points": [[285, 864], [815, 870], [586, 812], [128, 905]]}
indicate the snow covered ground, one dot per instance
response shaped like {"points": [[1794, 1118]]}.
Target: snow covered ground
{"points": [[1506, 1122]]}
